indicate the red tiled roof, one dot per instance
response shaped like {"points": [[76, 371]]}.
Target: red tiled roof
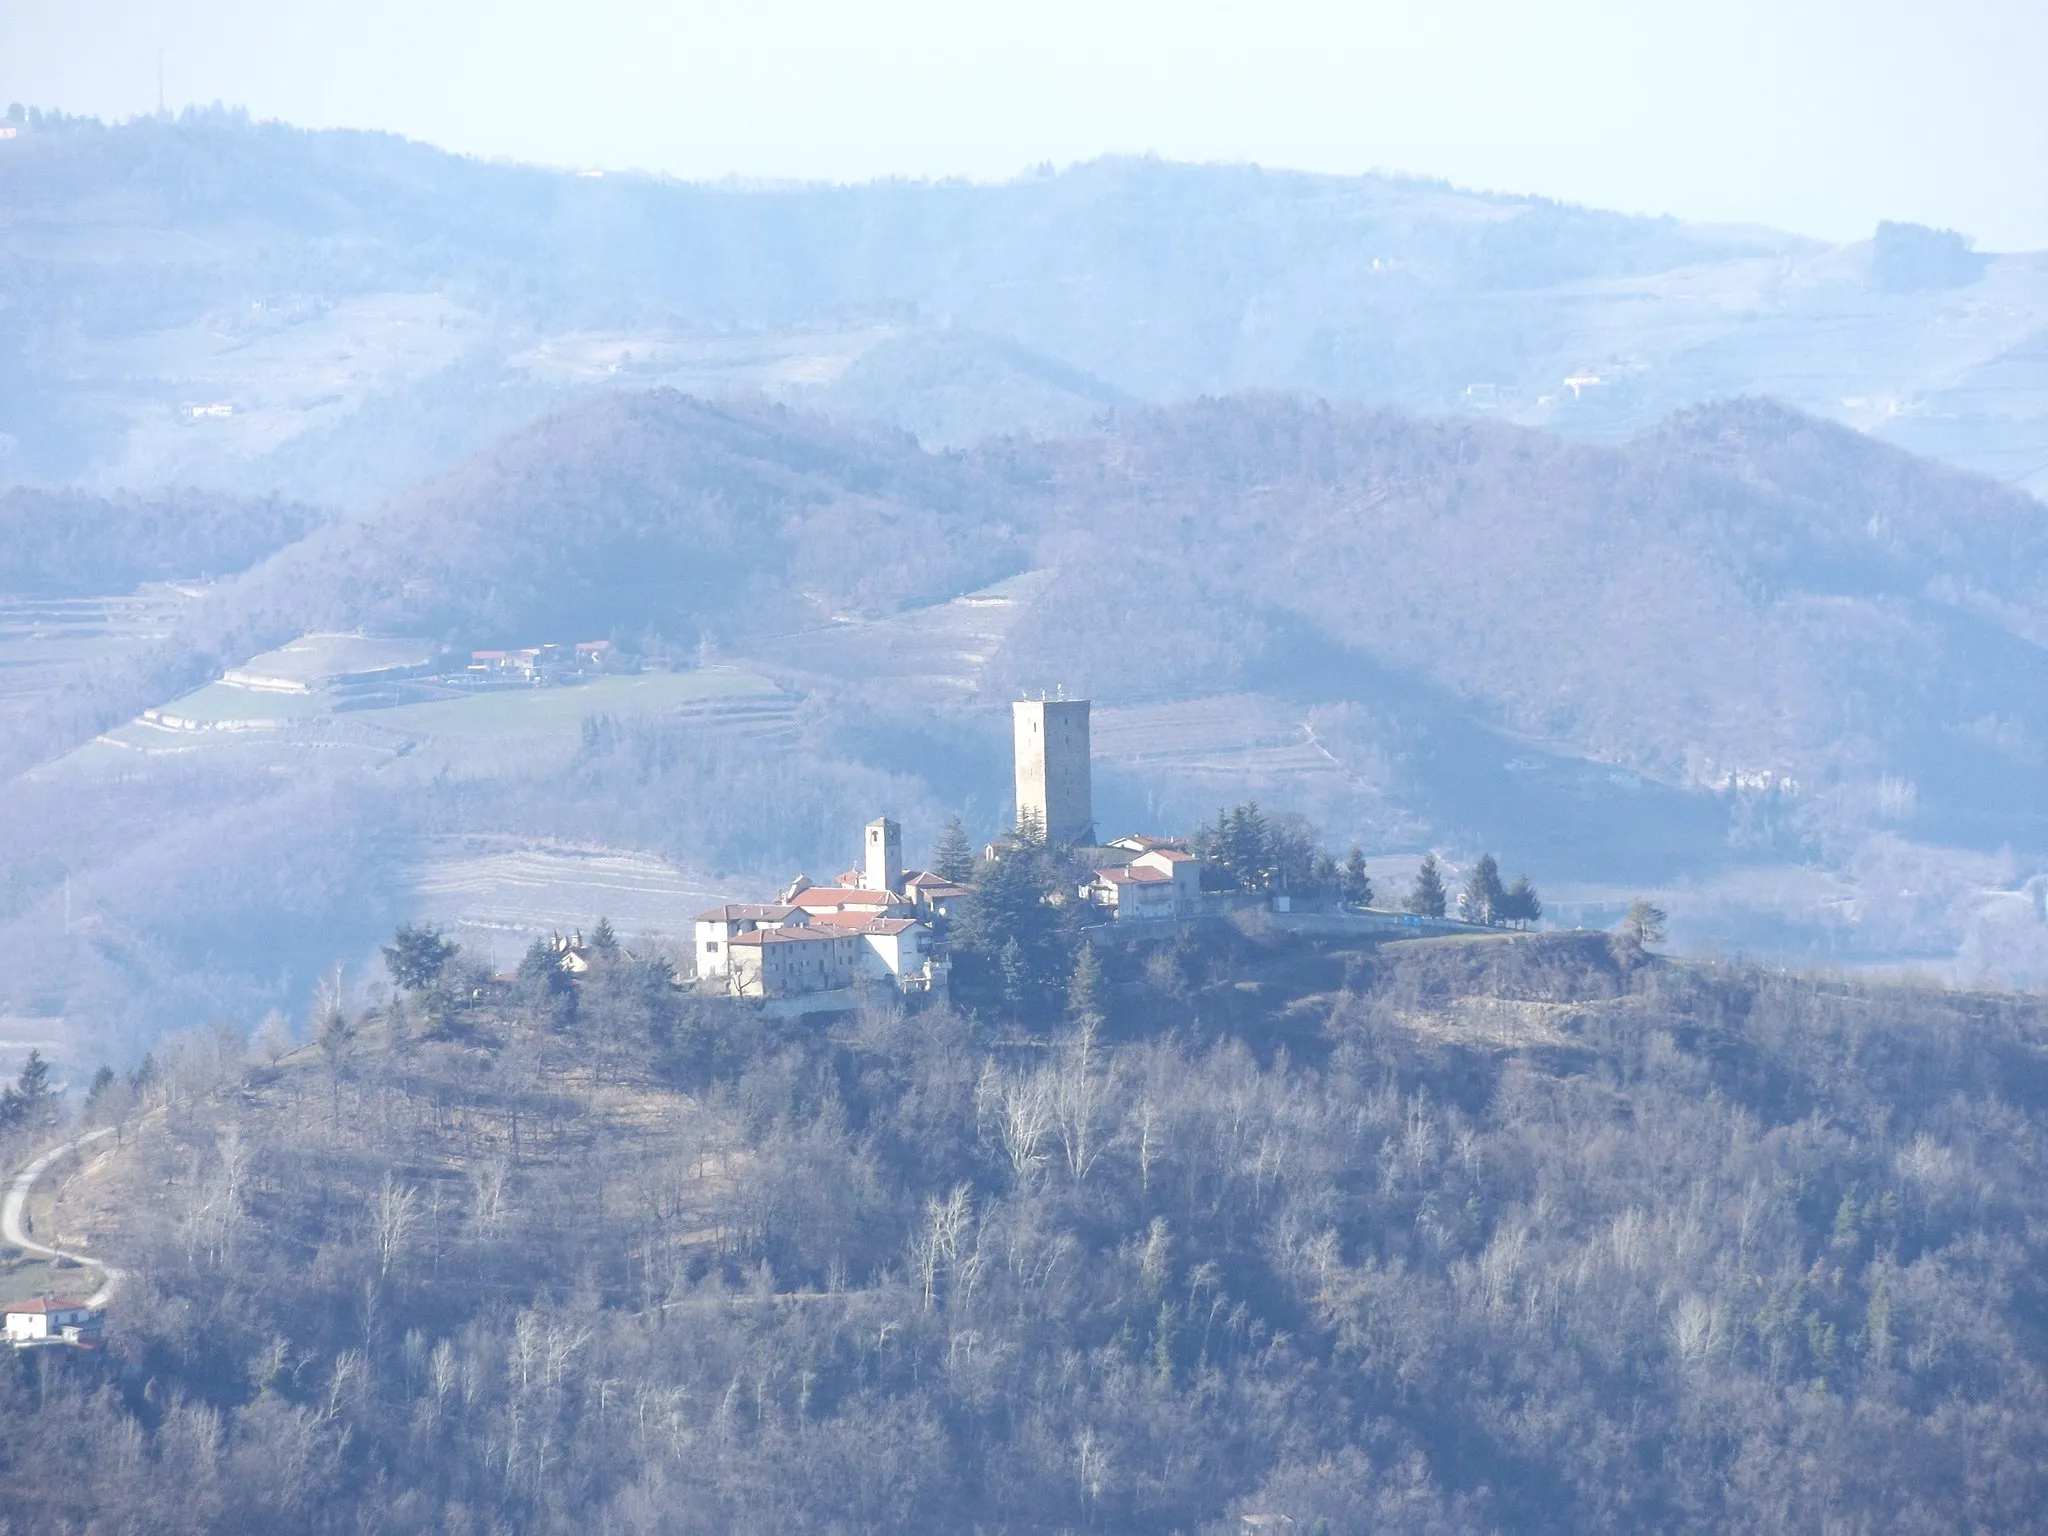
{"points": [[840, 896], [858, 919], [789, 936], [42, 1306], [1128, 876], [890, 925]]}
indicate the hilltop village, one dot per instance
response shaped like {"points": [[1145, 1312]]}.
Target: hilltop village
{"points": [[882, 924]]}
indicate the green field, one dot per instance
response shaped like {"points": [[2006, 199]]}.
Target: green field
{"points": [[562, 711], [224, 702]]}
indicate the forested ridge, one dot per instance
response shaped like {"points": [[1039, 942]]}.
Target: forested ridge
{"points": [[57, 543], [1535, 1234]]}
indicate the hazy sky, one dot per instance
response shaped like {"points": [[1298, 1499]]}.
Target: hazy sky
{"points": [[1815, 115]]}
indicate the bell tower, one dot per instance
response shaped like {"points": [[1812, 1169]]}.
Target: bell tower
{"points": [[882, 858]]}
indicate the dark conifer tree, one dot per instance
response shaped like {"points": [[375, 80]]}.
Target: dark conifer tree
{"points": [[953, 859], [1480, 900], [1521, 903], [416, 957], [1086, 991], [1427, 898], [1357, 883]]}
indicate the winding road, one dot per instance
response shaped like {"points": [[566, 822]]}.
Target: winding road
{"points": [[16, 1201]]}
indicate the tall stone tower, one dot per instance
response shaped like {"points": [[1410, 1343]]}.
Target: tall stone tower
{"points": [[882, 864], [1053, 783]]}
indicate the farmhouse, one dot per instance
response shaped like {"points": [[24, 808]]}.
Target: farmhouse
{"points": [[45, 1319]]}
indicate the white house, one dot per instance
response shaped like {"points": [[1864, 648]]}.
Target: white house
{"points": [[1164, 882], [717, 928], [48, 1317], [1184, 869]]}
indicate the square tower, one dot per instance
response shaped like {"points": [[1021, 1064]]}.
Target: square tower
{"points": [[882, 858], [1053, 783]]}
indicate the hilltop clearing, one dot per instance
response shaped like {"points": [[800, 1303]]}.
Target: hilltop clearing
{"points": [[1531, 1234]]}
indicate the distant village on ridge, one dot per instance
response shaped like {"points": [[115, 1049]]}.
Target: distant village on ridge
{"points": [[816, 948]]}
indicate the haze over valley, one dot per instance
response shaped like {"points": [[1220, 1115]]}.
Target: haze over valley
{"points": [[1658, 556], [1150, 844]]}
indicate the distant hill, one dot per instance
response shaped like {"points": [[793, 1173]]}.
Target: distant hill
{"points": [[1745, 599], [649, 514], [1744, 594], [1789, 679], [361, 302]]}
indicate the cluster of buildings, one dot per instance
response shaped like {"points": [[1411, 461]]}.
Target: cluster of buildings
{"points": [[536, 664], [881, 924], [876, 924]]}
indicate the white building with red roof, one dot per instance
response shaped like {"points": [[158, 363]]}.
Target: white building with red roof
{"points": [[935, 895], [717, 928], [1162, 882], [42, 1318]]}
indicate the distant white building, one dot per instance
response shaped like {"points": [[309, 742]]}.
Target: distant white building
{"points": [[1164, 882], [48, 1317]]}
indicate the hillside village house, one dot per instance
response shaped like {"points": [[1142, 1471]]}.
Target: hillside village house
{"points": [[873, 924], [46, 1318], [1162, 881], [780, 962]]}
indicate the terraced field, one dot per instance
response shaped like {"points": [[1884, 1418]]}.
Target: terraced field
{"points": [[943, 650], [711, 694], [1238, 738], [497, 895], [46, 643]]}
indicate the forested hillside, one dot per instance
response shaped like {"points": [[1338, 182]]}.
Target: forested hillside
{"points": [[1747, 638], [68, 544], [1540, 1235], [1744, 596]]}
